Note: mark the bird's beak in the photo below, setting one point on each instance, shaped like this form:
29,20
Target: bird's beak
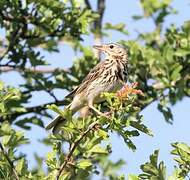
99,47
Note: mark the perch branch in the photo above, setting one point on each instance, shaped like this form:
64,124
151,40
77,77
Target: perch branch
73,147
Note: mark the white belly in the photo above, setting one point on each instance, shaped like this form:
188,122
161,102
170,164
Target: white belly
98,89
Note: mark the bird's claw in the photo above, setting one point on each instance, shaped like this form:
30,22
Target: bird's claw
107,114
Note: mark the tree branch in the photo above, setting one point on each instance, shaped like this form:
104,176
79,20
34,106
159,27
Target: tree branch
98,25
88,5
100,10
9,161
34,109
5,68
73,147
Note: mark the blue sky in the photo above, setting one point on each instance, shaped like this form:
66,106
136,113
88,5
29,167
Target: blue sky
164,134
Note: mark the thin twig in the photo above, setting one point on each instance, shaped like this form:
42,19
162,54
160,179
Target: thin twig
73,147
14,37
9,161
52,95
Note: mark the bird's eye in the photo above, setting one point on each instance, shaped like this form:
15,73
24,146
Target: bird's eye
111,46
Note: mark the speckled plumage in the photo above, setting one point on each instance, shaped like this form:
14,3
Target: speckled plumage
107,76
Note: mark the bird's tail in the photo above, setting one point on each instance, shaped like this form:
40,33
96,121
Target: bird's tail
56,124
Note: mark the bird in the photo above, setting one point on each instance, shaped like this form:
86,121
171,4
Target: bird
108,75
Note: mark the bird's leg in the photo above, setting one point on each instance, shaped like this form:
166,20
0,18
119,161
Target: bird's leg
122,82
97,111
90,105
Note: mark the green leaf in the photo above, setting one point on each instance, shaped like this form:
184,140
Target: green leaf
176,72
32,120
141,127
6,139
130,143
133,177
103,134
1,85
166,112
121,177
175,175
20,166
5,127
84,164
98,150
51,160
65,113
119,27
184,147
182,151
153,170
2,108
182,52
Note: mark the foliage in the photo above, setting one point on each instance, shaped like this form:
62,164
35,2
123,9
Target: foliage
182,150
157,171
11,140
153,170
159,63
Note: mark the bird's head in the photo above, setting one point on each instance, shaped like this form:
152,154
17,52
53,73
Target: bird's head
112,50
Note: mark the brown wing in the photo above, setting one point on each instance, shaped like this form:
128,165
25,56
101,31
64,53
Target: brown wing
95,72
72,93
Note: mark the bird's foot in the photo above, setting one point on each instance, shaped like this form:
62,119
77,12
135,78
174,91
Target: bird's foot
108,114
105,115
